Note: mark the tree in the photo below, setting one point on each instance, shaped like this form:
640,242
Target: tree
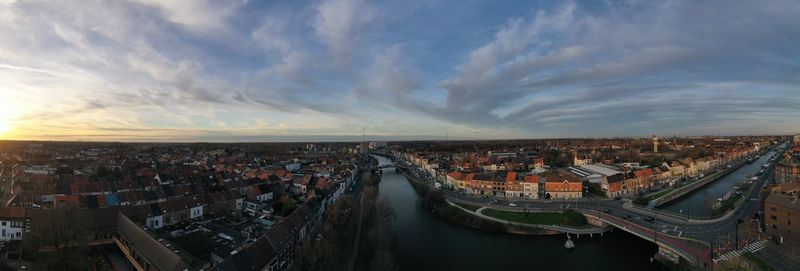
327,252
432,199
318,255
381,237
58,239
102,173
284,206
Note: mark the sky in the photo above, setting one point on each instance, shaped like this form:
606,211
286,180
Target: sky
186,70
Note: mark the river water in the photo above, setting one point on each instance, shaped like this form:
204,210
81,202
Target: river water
426,242
700,201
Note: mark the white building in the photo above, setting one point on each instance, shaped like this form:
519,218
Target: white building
12,224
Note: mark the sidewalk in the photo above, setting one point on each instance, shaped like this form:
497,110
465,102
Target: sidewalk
777,258
564,229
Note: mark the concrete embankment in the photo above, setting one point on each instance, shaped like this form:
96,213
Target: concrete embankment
689,188
476,219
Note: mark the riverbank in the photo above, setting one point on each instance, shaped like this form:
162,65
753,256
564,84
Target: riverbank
426,242
500,221
671,194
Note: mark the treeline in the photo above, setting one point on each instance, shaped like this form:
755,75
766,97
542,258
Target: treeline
375,252
434,201
327,251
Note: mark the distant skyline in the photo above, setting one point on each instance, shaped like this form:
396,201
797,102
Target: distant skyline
226,71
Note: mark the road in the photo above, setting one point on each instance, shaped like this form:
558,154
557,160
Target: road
706,232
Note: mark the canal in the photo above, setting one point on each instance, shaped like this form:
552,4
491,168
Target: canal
425,241
700,202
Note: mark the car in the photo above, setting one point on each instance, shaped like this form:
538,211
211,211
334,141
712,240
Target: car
512,204
617,198
650,219
606,210
626,217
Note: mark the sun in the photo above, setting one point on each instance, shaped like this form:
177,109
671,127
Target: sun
4,127
8,112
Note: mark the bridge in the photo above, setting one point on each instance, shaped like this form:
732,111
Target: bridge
385,166
676,235
669,246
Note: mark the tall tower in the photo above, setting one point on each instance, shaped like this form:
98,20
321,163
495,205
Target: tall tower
655,144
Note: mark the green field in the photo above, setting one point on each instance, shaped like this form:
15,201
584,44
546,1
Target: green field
571,218
728,204
646,200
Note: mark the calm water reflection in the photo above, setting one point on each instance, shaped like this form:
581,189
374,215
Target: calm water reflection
427,242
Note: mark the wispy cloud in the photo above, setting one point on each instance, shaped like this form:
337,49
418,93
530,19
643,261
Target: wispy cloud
200,68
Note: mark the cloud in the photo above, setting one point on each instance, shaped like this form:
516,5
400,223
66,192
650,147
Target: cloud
197,15
340,24
333,66
541,71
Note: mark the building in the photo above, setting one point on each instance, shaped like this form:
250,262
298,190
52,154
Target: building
778,209
502,184
615,185
521,186
12,223
580,160
563,186
142,250
655,144
787,170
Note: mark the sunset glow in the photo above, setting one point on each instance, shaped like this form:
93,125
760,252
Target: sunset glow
8,111
258,70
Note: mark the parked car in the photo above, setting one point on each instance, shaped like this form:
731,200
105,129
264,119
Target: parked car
512,204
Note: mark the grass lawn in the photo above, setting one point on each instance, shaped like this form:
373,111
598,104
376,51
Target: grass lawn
570,219
467,206
728,204
646,200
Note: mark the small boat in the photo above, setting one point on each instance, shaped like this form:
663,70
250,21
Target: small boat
569,244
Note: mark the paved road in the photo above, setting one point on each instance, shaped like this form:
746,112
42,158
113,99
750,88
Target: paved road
694,229
721,228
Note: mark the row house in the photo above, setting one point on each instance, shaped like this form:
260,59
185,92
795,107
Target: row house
144,251
522,186
300,183
130,198
12,223
787,169
222,202
510,184
274,250
159,215
563,186
614,185
262,192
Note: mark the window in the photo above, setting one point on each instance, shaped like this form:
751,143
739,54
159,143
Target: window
4,223
18,234
773,217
